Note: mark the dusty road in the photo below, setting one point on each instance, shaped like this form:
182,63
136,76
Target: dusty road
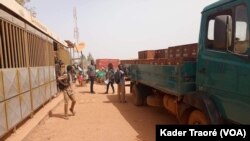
99,117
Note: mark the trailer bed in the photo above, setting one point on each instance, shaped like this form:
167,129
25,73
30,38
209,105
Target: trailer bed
172,79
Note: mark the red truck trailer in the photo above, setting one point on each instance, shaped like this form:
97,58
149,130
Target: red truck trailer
103,63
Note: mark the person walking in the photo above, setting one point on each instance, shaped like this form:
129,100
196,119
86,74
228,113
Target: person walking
119,78
91,75
65,85
110,78
58,73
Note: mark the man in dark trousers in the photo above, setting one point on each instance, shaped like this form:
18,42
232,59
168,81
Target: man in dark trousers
92,74
110,78
65,85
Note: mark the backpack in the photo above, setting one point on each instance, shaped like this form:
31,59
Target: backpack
117,77
112,75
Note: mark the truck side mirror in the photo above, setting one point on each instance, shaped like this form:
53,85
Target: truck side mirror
222,32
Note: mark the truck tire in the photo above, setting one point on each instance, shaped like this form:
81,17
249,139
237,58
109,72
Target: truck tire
138,99
155,101
197,118
185,116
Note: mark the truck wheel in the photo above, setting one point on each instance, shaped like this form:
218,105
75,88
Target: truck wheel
137,97
185,116
197,118
155,101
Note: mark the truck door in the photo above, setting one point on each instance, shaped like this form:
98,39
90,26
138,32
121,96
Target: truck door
223,69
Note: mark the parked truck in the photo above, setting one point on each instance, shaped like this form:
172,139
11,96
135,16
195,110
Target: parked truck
214,87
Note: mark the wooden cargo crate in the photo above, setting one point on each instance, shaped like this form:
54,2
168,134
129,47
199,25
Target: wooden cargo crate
130,62
179,51
190,51
183,51
136,61
162,61
146,54
175,52
161,53
124,61
127,62
141,61
171,52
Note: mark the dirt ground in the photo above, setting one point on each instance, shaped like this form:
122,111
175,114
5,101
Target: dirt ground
100,117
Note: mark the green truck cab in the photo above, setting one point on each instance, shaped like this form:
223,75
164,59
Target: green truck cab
213,89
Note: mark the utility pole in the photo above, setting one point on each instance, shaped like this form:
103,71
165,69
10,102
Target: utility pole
76,35
76,32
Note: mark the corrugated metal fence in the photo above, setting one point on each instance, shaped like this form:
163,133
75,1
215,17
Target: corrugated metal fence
23,91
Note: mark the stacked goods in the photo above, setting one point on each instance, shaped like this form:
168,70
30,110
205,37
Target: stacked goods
138,61
171,56
161,53
146,54
183,51
190,50
128,61
103,63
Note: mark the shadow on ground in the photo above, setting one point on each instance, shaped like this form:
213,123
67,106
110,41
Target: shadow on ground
142,118
58,115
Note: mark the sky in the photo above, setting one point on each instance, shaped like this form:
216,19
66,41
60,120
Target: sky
118,29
